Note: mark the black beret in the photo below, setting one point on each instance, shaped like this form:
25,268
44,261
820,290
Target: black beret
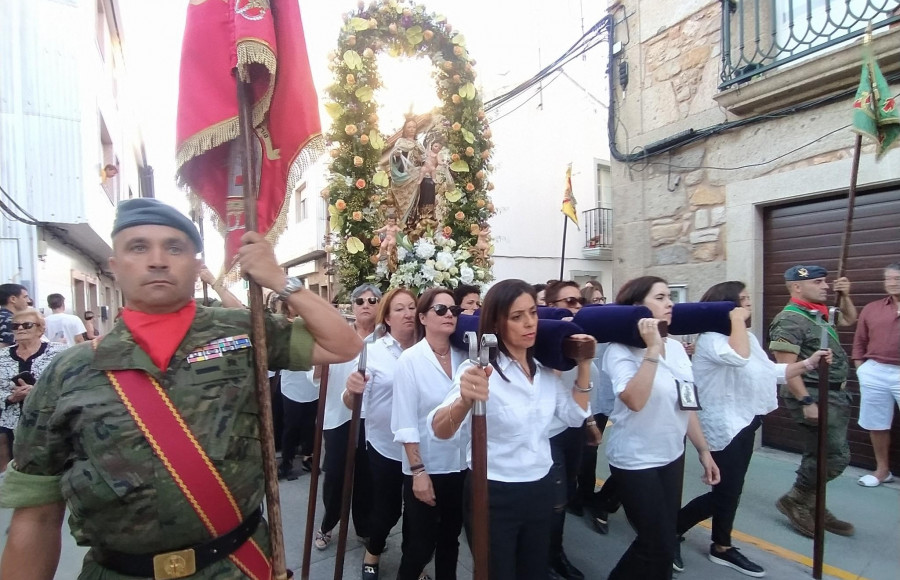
146,211
800,272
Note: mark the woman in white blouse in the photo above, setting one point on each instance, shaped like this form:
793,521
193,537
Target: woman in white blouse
645,446
434,469
737,386
398,314
524,398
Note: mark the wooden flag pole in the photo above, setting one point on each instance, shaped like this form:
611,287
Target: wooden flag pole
314,474
562,260
198,218
258,336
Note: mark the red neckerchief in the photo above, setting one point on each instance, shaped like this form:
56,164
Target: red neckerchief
812,306
160,334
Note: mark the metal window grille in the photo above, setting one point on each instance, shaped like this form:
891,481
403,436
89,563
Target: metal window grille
598,232
760,35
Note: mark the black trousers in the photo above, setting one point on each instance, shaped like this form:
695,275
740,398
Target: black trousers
565,448
520,520
387,499
722,502
651,498
587,471
10,439
434,529
335,441
298,428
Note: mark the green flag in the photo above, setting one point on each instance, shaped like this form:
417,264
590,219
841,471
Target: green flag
875,113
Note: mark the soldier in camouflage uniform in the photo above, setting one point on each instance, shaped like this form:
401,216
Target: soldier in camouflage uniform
77,446
794,335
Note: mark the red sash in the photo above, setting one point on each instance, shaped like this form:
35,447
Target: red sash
188,464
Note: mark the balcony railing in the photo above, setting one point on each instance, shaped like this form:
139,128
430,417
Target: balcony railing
760,35
598,230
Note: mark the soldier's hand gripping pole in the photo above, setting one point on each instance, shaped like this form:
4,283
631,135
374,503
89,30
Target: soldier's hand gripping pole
480,525
822,445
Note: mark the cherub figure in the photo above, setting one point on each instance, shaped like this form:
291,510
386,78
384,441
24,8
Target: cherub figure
482,248
388,234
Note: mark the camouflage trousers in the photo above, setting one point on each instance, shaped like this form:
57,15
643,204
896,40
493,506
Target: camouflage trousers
836,447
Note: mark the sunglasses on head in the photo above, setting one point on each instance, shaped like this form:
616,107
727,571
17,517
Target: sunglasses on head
25,325
361,301
570,301
442,309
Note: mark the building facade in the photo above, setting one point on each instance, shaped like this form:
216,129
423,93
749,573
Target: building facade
69,150
732,150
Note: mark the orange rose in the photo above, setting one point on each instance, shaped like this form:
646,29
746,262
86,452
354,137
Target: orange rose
351,40
357,216
428,35
456,99
335,153
373,118
480,203
456,126
358,161
448,65
340,204
374,258
368,53
350,129
470,151
360,184
376,241
457,79
480,174
474,229
470,187
485,154
351,80
460,216
392,28
490,207
490,187
454,157
448,231
487,133
458,50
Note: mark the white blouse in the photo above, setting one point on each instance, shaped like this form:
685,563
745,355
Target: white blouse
653,436
378,400
733,389
420,385
299,386
519,414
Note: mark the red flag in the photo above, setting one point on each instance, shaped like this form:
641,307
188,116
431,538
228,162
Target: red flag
263,41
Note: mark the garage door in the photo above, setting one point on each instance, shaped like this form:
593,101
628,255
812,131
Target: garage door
810,233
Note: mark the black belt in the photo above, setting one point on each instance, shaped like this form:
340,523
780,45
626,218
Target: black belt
831,386
207,553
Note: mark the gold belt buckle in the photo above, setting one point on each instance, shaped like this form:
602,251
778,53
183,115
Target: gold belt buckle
178,564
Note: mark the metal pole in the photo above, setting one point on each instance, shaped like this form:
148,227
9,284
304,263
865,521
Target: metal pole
821,452
562,260
258,336
314,474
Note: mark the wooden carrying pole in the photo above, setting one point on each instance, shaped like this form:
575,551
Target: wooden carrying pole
314,475
821,459
258,336
480,502
350,464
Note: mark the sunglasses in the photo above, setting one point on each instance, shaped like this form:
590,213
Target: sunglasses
360,301
442,309
570,301
24,325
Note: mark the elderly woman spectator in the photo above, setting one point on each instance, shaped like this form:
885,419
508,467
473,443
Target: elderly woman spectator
434,469
522,398
468,298
736,382
645,447
21,365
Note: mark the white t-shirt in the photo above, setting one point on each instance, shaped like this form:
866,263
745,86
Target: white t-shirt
299,386
519,414
62,328
420,385
733,389
378,399
653,436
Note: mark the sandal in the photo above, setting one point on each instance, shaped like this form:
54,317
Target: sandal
322,539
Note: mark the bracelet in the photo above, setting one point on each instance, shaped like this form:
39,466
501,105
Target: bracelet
809,366
417,467
589,388
418,473
590,423
651,359
450,415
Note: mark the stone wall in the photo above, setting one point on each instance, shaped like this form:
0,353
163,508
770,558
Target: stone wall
671,209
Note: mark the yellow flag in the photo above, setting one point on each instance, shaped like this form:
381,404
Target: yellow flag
568,205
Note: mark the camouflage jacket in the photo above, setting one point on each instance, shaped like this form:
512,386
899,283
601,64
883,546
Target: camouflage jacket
76,441
799,333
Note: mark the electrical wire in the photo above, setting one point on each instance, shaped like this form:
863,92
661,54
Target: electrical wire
28,219
523,103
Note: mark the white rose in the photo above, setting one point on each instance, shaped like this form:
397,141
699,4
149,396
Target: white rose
444,261
401,253
466,274
424,249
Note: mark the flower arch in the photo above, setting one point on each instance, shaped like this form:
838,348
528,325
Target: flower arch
455,248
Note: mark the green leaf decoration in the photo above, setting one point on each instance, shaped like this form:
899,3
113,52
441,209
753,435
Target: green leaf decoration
337,220
354,245
403,242
467,135
359,24
459,39
414,35
394,50
364,94
459,166
381,178
439,18
334,110
455,195
353,60
376,140
467,91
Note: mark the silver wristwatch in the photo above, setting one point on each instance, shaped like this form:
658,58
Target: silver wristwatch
291,285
